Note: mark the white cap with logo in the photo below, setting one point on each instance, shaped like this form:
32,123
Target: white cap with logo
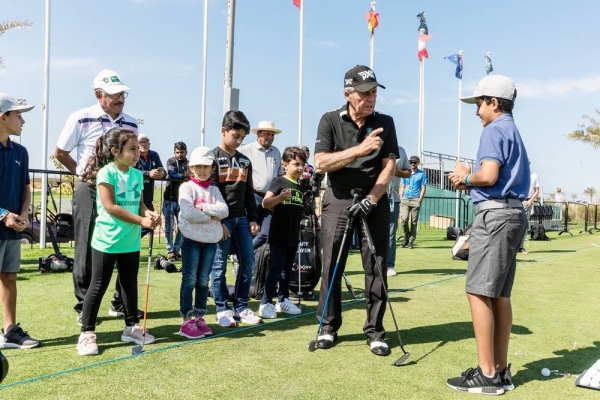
201,156
110,82
8,103
497,86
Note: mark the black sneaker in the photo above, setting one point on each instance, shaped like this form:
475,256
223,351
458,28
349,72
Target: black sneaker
325,340
17,338
506,378
473,381
379,347
410,245
404,243
118,310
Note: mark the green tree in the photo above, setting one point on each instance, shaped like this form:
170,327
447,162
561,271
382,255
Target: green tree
590,133
8,25
590,192
574,196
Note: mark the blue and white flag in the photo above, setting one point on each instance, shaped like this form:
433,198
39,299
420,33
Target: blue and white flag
488,64
456,59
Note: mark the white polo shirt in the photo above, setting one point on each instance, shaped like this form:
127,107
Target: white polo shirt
266,164
84,127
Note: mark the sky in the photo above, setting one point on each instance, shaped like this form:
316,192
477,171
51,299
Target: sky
156,46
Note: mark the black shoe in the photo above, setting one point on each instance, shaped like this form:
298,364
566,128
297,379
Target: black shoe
410,245
404,243
326,340
379,347
473,381
506,378
118,310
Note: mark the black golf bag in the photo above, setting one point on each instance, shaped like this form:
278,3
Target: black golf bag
3,367
262,263
56,262
460,250
308,260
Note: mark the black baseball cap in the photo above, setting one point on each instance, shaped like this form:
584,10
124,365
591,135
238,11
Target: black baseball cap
361,78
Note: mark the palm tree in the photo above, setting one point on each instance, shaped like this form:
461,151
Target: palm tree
574,196
589,134
7,25
590,192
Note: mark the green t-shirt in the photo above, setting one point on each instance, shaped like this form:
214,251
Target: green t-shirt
112,235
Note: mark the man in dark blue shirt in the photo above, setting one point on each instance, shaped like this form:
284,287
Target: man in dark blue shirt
176,167
15,196
151,166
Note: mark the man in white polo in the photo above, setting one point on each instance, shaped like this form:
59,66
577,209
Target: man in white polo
266,166
79,135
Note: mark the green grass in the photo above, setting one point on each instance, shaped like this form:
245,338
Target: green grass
555,302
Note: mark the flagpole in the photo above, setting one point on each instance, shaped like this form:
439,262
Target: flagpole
204,72
457,211
45,110
372,43
300,73
422,121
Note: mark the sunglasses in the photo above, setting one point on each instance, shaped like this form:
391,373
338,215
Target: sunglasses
116,95
414,162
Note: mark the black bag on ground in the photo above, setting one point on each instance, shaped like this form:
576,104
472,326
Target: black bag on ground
453,232
460,250
262,262
538,232
308,259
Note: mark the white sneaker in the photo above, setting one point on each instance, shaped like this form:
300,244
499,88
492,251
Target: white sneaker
391,272
135,334
225,319
86,346
247,316
267,311
287,307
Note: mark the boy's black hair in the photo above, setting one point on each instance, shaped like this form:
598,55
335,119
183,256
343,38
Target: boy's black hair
7,113
291,153
180,146
234,120
504,105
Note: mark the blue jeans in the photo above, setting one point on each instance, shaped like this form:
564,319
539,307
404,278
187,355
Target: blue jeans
280,271
170,210
391,262
196,265
239,229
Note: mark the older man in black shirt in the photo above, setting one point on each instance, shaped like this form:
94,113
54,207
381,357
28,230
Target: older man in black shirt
357,147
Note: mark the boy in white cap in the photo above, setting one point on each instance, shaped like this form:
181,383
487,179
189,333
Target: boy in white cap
499,183
15,196
79,134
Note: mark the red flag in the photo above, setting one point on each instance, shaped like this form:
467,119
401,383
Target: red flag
297,3
372,21
422,51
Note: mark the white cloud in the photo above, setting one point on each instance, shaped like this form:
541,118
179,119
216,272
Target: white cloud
557,88
324,43
63,63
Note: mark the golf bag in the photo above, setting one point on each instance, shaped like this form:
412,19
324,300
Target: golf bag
262,262
56,262
453,232
460,250
538,232
3,367
308,259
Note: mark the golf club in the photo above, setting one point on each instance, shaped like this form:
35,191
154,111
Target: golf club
137,349
312,345
302,224
367,235
351,289
3,367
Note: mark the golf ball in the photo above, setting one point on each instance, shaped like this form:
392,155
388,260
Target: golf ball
545,372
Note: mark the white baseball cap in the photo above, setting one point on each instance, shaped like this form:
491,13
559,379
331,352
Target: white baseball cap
497,86
201,156
110,82
8,103
143,136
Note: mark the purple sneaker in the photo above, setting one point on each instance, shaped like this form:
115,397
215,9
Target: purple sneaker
201,324
190,330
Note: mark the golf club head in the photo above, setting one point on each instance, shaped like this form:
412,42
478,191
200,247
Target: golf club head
312,346
3,367
360,296
137,349
401,360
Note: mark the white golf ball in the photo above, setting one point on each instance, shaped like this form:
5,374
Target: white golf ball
545,372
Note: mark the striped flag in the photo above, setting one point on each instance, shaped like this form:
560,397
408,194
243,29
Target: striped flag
456,59
297,3
372,20
422,50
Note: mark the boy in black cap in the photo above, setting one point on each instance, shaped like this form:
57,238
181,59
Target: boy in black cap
357,148
498,183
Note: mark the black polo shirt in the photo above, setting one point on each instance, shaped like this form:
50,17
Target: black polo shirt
338,132
14,176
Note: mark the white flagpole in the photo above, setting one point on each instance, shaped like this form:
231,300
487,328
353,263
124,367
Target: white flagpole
372,43
204,72
422,121
300,72
45,109
420,107
457,211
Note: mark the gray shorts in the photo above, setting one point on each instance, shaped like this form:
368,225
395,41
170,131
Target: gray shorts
10,256
495,238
